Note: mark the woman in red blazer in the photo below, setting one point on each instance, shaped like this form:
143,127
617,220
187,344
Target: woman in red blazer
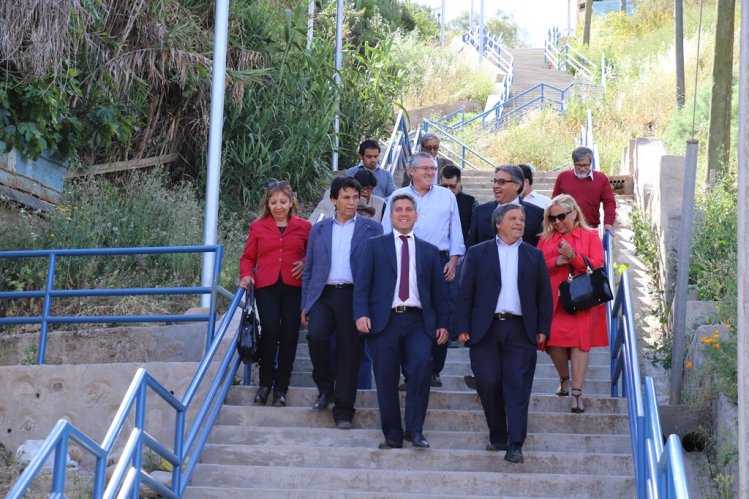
565,240
272,262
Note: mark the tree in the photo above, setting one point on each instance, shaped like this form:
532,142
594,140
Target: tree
679,49
501,24
719,136
588,18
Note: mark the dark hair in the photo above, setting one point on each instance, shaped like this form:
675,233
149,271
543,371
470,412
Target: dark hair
368,144
278,187
515,173
582,152
501,210
451,171
343,183
366,177
527,172
398,197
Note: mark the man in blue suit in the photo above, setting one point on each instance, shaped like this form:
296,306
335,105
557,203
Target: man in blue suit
400,305
508,183
327,299
504,312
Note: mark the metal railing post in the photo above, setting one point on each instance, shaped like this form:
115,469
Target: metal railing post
45,310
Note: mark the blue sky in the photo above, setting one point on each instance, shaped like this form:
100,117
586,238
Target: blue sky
534,16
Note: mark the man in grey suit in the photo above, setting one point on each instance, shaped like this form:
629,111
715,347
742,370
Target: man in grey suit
327,299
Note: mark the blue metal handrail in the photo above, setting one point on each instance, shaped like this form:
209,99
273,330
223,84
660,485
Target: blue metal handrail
48,293
658,474
399,149
567,58
128,474
459,158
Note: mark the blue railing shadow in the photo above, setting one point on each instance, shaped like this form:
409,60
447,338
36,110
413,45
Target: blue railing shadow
129,474
657,473
49,293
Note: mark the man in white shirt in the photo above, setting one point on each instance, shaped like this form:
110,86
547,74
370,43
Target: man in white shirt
529,195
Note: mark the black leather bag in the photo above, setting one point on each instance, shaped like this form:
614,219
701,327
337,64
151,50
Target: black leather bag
586,290
248,341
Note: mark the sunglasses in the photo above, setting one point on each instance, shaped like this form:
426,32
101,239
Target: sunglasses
559,218
501,181
274,184
449,186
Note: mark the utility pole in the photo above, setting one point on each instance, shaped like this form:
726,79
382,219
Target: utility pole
215,133
470,18
310,23
481,33
588,19
442,25
742,328
337,78
679,49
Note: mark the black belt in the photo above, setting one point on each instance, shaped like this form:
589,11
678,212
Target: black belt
403,308
503,316
445,254
340,285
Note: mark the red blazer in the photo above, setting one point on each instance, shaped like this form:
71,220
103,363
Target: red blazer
269,253
584,329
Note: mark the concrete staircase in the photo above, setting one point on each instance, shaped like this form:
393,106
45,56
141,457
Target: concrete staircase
297,452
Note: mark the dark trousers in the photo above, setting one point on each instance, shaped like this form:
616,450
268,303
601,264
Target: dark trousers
278,307
333,312
403,342
439,352
504,362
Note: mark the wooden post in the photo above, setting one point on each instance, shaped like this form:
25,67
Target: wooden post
743,248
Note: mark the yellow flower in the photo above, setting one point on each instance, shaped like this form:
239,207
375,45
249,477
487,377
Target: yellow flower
716,334
704,339
729,326
689,364
717,345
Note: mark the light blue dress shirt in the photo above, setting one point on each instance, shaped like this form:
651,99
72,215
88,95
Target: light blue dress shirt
385,183
439,220
340,252
509,297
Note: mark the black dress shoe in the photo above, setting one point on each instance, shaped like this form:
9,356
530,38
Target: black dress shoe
470,381
279,399
390,444
492,447
343,424
261,397
322,402
417,439
514,455
436,381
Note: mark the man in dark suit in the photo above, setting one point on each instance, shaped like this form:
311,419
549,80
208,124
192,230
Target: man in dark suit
508,183
505,305
400,305
450,179
327,299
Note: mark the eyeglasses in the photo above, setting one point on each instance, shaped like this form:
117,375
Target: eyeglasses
450,186
559,218
367,187
582,165
426,168
275,184
431,148
501,181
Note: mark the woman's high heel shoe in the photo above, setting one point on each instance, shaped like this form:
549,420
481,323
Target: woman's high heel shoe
261,398
279,399
561,392
577,407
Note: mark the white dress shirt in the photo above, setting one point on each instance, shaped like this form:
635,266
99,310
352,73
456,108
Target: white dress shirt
538,199
509,297
413,288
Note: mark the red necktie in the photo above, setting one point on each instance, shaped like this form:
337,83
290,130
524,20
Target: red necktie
403,287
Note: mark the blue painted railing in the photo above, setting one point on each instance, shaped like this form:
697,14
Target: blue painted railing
659,471
567,58
49,292
454,149
497,54
399,148
187,443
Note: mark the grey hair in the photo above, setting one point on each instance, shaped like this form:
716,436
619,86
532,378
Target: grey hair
500,211
582,152
419,155
515,173
429,136
403,195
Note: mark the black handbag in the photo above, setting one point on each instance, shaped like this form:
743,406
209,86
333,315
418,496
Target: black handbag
586,290
248,341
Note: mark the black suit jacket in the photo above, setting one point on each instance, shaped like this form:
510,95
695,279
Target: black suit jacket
481,281
466,204
483,230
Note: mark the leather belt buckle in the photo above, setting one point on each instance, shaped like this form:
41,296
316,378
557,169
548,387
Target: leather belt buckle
341,285
503,316
404,308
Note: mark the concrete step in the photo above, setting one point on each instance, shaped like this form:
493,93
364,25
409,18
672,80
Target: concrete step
452,400
443,458
457,383
437,419
384,482
233,493
544,368
462,440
